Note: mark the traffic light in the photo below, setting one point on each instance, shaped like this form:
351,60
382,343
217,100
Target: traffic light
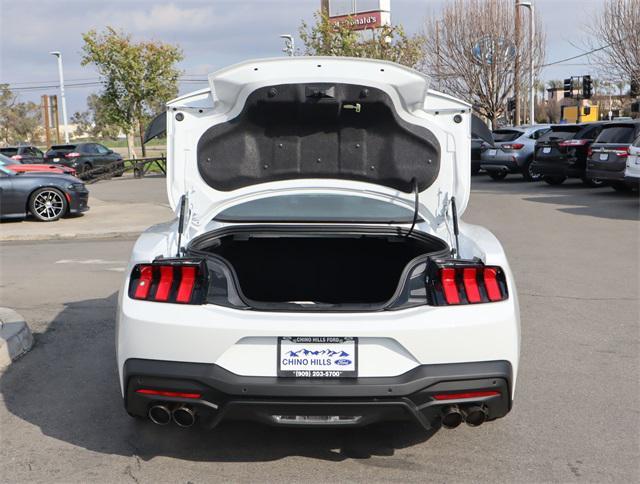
511,104
587,87
568,87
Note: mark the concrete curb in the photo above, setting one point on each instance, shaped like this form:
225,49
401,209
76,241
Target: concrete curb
73,236
15,337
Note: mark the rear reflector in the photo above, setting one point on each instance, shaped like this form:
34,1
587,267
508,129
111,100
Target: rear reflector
455,281
163,393
181,281
466,395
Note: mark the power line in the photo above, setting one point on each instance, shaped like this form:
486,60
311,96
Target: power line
584,53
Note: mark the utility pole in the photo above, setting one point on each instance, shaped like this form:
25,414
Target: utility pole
64,102
516,68
45,118
532,35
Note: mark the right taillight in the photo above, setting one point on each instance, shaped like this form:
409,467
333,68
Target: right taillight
182,281
465,282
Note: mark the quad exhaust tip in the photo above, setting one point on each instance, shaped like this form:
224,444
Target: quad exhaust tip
451,417
184,416
475,415
160,414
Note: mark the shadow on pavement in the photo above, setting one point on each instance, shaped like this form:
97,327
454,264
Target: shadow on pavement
68,387
572,196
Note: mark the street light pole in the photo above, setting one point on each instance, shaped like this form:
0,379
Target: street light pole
64,101
532,35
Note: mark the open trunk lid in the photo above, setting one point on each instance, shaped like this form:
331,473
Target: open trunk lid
361,125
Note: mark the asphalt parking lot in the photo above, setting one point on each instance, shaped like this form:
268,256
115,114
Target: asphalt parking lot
575,255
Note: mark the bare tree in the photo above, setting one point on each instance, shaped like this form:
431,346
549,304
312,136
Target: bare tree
617,29
470,51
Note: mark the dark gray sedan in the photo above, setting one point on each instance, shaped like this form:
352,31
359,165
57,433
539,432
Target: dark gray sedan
46,196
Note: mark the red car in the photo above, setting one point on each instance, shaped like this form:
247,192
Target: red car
19,167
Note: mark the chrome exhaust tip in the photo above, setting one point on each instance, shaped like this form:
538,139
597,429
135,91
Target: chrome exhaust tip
184,416
451,417
475,415
159,414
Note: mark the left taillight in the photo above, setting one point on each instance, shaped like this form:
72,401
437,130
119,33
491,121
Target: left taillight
181,281
456,282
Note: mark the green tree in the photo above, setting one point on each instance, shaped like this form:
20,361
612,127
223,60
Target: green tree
19,121
389,42
137,76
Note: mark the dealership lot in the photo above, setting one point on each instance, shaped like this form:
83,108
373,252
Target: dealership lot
574,253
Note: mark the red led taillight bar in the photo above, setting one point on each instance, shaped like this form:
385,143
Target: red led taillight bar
182,281
453,282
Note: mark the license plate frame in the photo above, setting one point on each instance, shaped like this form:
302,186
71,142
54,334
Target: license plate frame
319,348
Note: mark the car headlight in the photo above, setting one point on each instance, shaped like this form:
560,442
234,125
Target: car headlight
76,187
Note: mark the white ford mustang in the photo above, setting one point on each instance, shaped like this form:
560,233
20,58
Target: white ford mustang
316,272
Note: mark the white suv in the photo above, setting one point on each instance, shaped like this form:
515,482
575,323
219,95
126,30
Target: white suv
317,273
632,171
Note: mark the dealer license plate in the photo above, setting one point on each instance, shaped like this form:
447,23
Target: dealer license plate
492,152
604,156
317,357
546,151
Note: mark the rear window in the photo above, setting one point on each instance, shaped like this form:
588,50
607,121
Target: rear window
9,151
617,134
506,135
63,148
316,208
560,132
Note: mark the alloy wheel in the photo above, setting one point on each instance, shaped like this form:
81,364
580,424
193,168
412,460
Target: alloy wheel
48,204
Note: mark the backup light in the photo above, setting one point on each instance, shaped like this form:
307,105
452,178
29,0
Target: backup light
182,281
454,282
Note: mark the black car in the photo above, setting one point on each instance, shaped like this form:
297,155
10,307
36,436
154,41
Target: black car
608,154
82,156
477,146
23,153
46,196
562,153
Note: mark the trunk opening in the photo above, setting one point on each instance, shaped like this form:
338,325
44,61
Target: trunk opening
337,269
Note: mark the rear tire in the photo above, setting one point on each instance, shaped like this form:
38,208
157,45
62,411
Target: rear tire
593,182
529,174
498,175
554,180
48,204
119,171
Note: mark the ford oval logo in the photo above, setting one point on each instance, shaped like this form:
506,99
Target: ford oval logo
343,362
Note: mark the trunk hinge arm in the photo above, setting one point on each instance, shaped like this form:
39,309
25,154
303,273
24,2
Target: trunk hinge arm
183,207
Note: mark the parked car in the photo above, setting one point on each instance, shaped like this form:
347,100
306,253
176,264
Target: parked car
46,196
513,152
476,155
20,167
608,154
632,172
82,156
312,276
23,153
562,153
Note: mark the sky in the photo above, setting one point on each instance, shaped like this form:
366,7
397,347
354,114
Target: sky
212,34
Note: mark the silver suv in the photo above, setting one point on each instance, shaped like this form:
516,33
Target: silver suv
513,152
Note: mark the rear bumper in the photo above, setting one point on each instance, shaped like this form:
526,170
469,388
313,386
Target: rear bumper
558,168
606,175
343,402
